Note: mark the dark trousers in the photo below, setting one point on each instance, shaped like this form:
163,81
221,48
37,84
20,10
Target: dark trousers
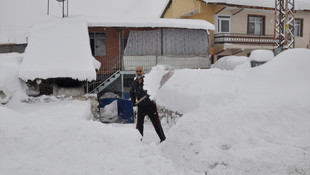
151,111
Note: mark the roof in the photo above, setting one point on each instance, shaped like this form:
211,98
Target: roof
299,4
58,48
119,8
150,22
17,17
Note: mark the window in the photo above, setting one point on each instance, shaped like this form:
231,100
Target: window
223,24
98,43
298,27
256,25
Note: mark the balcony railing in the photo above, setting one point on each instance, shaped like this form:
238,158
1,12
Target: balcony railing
237,38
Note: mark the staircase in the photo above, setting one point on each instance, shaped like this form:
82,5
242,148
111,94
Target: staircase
107,74
106,82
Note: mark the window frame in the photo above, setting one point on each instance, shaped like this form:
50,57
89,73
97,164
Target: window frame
95,40
301,26
218,24
257,16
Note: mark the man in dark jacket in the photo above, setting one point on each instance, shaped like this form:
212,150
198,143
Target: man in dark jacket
146,106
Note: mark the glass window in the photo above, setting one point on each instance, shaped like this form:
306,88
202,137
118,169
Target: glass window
98,43
256,25
298,27
223,24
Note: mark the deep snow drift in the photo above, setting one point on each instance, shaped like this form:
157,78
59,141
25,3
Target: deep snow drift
254,121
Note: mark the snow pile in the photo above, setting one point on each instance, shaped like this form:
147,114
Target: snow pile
261,55
252,122
58,47
229,62
153,79
10,84
150,22
109,113
57,138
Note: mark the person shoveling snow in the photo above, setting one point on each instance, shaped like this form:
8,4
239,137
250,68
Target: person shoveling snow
146,106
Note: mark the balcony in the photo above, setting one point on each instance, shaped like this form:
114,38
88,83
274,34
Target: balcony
243,39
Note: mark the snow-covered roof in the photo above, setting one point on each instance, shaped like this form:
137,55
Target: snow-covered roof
299,4
58,47
150,22
17,17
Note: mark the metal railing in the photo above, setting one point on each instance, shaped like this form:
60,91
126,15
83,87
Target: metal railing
110,65
239,38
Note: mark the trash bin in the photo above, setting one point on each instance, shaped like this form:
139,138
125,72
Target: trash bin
124,111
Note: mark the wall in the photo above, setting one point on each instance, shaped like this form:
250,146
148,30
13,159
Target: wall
180,7
112,46
239,22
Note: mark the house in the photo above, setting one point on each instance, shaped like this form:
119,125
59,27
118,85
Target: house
122,44
241,26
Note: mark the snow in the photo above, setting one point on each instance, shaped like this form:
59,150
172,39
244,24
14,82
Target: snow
299,4
230,62
9,81
109,113
119,8
17,17
250,122
254,121
261,55
59,47
149,22
153,80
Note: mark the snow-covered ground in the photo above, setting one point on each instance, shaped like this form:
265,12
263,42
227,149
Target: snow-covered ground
255,121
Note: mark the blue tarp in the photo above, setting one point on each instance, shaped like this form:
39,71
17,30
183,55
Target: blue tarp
124,108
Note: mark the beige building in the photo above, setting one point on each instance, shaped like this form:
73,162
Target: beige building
241,28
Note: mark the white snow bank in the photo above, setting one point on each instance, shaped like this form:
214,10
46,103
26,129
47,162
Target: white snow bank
56,138
261,55
299,4
10,84
253,122
229,62
58,47
150,22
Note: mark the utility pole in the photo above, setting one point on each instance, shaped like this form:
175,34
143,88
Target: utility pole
284,25
48,7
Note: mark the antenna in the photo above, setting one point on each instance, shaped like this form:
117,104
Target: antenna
63,7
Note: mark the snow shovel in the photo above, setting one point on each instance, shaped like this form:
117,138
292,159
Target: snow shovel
164,79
